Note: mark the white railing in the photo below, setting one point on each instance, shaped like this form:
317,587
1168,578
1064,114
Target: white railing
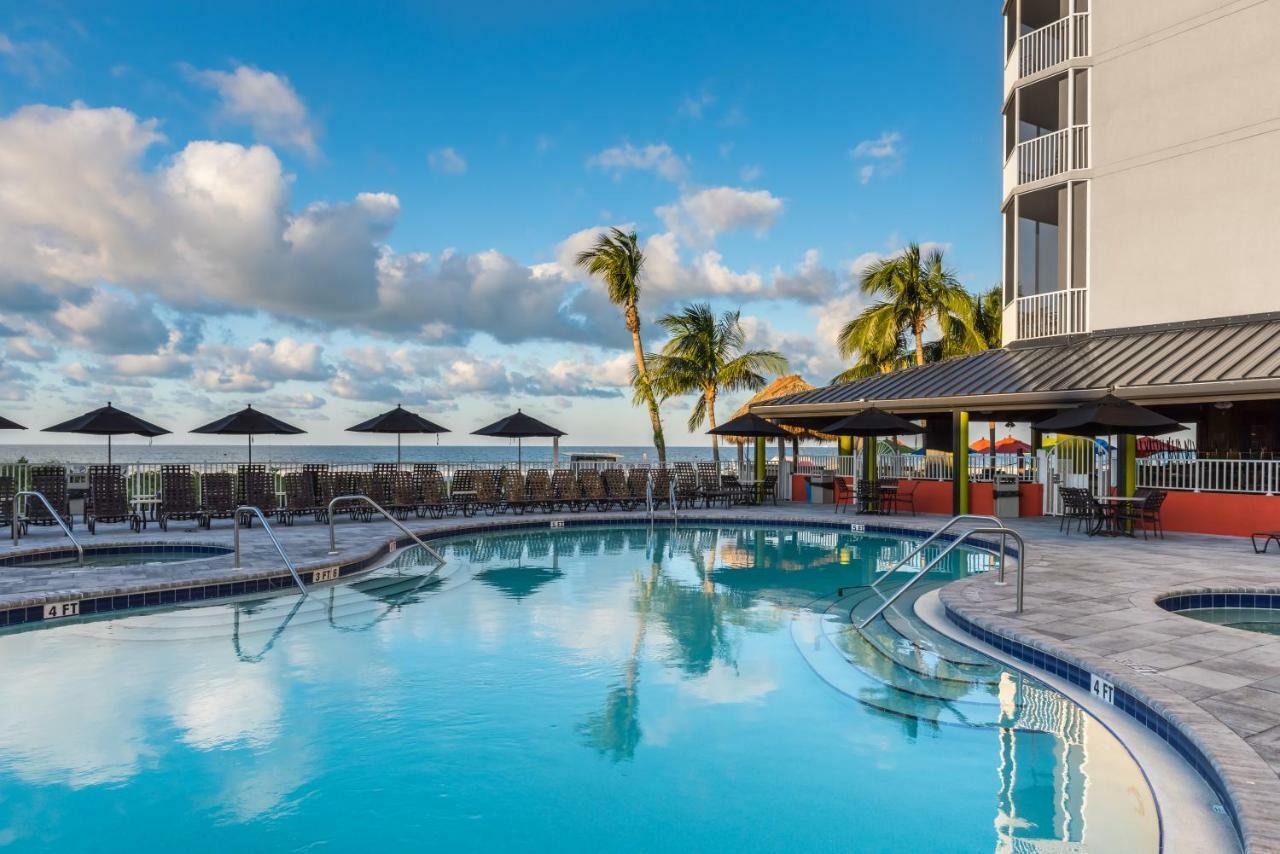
1053,153
1045,315
1064,39
1259,477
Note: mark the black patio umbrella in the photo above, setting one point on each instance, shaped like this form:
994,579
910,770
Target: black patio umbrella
398,420
517,582
249,422
872,422
519,426
6,424
1109,416
750,425
108,421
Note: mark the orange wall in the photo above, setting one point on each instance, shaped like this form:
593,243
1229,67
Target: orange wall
1030,499
1229,513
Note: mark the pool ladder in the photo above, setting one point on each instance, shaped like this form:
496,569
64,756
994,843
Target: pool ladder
16,521
235,538
333,535
997,529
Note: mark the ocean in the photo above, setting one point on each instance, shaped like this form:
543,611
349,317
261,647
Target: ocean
263,452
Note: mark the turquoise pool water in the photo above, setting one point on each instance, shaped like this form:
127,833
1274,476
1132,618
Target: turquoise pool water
1262,620
571,690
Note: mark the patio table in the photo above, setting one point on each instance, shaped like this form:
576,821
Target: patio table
1107,521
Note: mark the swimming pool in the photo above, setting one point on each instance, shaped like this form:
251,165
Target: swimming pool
1262,620
132,554
611,688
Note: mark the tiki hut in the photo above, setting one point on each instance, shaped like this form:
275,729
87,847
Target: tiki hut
781,387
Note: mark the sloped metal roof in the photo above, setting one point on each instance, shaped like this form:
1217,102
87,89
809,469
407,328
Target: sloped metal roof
1178,361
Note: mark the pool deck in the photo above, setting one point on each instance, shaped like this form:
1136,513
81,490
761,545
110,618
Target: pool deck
1089,601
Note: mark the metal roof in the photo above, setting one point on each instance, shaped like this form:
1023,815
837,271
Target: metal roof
1204,360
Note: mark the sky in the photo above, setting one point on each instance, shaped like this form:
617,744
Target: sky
326,209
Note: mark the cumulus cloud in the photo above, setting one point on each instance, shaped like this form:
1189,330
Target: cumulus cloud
447,161
658,158
260,366
879,156
112,322
810,282
267,103
211,229
698,217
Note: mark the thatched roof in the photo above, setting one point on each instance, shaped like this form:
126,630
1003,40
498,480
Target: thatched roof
781,387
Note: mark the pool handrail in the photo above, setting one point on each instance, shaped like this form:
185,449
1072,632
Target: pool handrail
938,533
235,539
1000,531
333,534
16,522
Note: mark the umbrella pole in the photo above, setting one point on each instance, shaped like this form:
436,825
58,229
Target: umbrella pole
108,449
250,449
519,454
397,450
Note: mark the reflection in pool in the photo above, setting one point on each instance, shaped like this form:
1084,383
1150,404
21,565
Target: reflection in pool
570,690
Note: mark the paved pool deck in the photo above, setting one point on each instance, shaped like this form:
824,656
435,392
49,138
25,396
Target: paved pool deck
1089,601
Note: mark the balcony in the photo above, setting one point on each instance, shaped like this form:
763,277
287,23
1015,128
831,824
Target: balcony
1047,315
1065,39
1052,154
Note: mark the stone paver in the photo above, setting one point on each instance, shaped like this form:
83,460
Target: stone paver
1089,601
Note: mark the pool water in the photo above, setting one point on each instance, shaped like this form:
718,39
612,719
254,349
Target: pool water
1263,620
117,555
575,690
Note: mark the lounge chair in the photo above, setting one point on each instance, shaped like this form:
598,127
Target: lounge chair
178,501
405,497
463,493
108,500
434,496
381,485
711,487
687,492
661,486
51,482
591,485
321,489
488,498
617,490
8,491
254,488
638,485
564,486
217,496
298,497
538,490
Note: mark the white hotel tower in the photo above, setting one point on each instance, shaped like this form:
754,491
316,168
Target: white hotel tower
1142,171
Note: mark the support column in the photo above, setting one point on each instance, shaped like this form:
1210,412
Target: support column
869,458
1127,463
960,461
844,446
761,451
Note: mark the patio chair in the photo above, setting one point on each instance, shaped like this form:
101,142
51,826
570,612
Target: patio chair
900,494
617,490
591,485
51,482
109,500
868,497
1077,507
178,500
843,492
764,490
1146,515
564,486
538,490
217,496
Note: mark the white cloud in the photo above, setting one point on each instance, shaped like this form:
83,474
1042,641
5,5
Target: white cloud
698,217
447,161
670,280
658,158
33,60
883,151
267,103
211,229
693,106
112,322
810,282
260,366
26,349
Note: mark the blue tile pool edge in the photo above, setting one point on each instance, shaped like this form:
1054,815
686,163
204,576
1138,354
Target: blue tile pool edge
1125,698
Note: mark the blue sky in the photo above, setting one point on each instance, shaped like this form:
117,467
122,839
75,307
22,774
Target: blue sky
325,209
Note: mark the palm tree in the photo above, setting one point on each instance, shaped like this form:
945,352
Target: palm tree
912,291
988,314
617,258
705,355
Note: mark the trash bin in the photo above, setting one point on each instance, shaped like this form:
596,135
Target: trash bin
1004,489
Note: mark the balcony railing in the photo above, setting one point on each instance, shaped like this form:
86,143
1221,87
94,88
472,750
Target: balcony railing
1055,313
1064,39
1053,154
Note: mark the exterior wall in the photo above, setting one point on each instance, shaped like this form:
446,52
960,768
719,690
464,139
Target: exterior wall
1228,513
1186,160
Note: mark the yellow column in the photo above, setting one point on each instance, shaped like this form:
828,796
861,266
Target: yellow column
1127,476
960,462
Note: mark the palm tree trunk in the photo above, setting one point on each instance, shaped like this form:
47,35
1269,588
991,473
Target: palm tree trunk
642,370
918,329
710,395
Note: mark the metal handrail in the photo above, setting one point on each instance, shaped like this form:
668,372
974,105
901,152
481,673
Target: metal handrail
333,534
938,533
16,522
235,538
1002,532
648,493
671,496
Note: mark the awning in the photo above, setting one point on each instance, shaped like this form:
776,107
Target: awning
1172,363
